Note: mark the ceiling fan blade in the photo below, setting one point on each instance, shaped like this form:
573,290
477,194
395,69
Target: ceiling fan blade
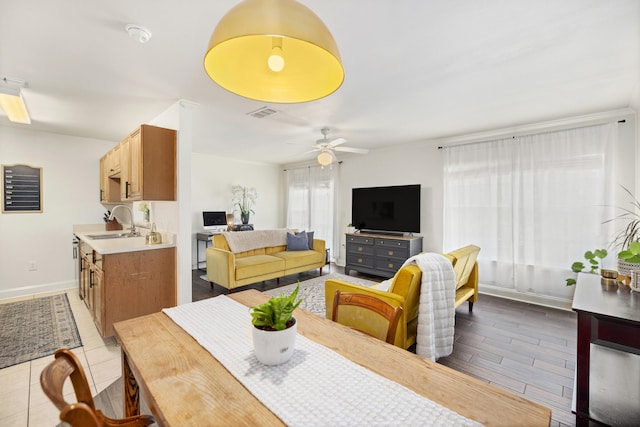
336,142
352,150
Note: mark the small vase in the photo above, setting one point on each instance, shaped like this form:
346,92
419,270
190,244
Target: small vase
274,347
245,218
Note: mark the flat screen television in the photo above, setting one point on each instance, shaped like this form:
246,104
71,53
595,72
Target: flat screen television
214,219
394,209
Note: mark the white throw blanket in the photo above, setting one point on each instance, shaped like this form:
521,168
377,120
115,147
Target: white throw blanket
436,311
242,241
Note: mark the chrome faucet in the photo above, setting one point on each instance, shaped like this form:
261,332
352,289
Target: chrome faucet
133,232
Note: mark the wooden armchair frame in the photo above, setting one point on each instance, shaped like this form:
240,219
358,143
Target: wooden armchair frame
386,310
83,413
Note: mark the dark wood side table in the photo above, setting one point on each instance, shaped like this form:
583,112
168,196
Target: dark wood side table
608,317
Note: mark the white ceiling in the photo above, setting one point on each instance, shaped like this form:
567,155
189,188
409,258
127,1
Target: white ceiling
415,69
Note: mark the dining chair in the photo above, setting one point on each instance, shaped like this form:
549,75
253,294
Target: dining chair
363,320
83,412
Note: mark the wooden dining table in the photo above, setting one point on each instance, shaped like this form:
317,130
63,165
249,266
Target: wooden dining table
183,384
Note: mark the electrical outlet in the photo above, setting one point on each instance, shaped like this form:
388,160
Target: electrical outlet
33,266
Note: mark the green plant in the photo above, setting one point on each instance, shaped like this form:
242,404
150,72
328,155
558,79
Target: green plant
631,233
275,314
592,260
632,254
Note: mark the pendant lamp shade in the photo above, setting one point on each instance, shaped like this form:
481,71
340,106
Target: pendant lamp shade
274,51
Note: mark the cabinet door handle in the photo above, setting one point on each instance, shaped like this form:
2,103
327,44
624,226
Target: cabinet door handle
126,190
90,278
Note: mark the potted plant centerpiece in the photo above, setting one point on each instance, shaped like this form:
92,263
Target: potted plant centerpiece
628,240
244,198
274,328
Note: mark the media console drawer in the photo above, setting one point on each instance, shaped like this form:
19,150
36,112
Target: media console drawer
379,255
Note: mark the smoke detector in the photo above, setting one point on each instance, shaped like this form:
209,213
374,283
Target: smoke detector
138,32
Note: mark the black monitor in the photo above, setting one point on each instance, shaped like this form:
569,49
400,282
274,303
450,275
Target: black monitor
214,219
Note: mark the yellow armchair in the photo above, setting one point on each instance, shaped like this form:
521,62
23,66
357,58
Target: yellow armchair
405,291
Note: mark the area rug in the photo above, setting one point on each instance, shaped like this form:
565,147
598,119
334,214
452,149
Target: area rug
312,291
36,328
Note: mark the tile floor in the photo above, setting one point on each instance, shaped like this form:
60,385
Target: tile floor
23,403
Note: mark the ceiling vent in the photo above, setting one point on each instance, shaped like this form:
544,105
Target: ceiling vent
263,112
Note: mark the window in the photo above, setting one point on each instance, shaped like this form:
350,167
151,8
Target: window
534,204
311,202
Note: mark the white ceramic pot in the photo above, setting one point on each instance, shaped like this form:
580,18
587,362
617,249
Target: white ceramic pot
274,347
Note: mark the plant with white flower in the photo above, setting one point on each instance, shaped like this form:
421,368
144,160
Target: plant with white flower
244,198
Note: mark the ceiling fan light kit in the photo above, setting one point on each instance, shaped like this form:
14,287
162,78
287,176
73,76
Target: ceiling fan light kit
326,157
327,147
274,51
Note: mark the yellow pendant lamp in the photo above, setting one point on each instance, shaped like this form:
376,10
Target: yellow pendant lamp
274,51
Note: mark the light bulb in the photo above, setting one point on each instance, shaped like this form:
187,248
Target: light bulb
325,158
276,61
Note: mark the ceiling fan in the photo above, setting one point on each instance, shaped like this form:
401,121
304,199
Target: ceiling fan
327,147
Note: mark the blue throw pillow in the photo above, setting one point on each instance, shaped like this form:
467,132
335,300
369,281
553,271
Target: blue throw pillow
310,238
297,242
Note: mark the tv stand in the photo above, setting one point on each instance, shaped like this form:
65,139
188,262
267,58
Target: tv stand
379,254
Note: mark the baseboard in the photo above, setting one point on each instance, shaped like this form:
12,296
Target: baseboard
37,289
528,297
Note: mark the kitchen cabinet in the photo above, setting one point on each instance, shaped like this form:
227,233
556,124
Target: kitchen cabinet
141,167
114,162
121,286
148,164
110,176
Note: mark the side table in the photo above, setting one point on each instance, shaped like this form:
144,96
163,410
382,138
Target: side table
607,383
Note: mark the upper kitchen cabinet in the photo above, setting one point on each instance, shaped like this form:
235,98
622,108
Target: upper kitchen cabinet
110,176
141,167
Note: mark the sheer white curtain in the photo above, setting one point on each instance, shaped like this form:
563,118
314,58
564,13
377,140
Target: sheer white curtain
311,202
534,204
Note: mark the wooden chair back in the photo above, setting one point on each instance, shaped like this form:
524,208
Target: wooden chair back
365,324
83,412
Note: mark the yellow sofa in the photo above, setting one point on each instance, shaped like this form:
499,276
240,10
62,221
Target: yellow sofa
232,270
405,291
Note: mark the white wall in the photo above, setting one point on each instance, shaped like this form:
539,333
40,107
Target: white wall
418,163
174,216
211,180
70,195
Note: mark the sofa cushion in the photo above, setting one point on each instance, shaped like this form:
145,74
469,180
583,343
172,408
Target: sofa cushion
297,242
295,259
257,265
310,238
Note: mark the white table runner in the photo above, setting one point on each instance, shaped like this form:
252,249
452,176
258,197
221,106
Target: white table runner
317,386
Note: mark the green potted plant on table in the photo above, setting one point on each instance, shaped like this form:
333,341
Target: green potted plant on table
592,259
628,240
274,328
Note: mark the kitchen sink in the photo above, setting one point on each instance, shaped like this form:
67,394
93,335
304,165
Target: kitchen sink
111,236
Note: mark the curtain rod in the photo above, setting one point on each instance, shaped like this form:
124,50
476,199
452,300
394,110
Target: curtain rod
339,162
440,147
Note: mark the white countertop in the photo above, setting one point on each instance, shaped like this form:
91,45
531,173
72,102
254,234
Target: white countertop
124,244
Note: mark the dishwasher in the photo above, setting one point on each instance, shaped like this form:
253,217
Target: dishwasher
77,263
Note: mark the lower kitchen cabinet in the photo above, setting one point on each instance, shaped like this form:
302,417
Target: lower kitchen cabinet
125,285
